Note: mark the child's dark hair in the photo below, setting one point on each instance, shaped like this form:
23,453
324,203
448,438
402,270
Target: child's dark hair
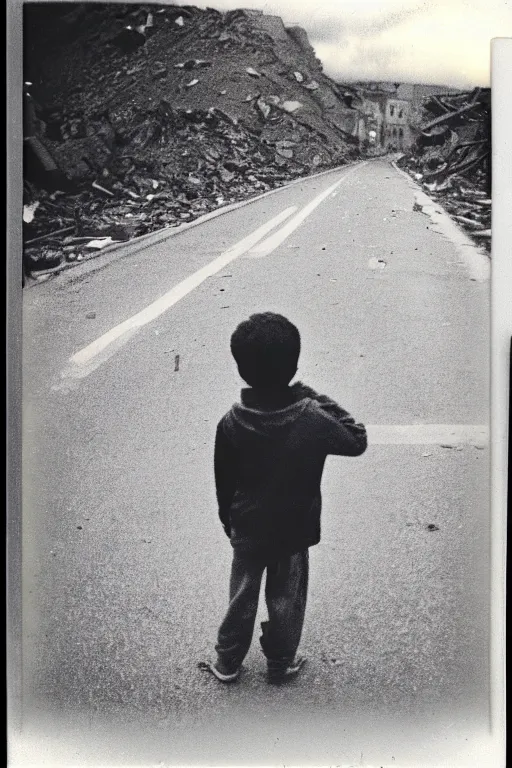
266,349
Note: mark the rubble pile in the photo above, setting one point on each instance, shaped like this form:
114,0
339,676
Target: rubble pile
451,158
143,117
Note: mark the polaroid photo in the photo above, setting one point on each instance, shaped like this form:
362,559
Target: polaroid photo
250,282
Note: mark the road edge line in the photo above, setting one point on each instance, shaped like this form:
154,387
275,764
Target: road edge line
477,261
141,242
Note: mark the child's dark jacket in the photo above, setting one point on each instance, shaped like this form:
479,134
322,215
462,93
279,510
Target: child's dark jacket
269,458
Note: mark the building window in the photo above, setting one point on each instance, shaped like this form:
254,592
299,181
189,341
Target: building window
400,113
401,133
391,110
394,133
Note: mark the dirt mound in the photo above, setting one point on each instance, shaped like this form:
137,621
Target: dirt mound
140,117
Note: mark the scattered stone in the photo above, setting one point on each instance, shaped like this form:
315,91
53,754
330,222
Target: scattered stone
432,527
291,106
29,212
375,263
91,316
264,108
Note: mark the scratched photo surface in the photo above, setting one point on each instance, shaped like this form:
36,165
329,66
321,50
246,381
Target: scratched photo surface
186,166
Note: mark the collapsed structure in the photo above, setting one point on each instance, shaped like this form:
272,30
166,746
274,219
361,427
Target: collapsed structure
143,117
451,157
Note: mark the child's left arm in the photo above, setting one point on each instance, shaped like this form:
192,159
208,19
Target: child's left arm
225,476
347,437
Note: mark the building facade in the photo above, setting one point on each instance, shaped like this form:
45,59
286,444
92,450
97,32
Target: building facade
397,133
387,113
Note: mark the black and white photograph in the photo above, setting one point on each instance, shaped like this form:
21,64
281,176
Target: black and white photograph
253,281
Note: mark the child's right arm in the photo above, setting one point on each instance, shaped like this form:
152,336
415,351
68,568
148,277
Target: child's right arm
345,437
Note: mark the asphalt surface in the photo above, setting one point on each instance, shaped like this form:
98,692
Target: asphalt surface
125,564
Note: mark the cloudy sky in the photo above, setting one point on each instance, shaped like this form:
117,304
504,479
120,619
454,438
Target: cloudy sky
446,42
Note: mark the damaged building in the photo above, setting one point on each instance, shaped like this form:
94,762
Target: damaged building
388,112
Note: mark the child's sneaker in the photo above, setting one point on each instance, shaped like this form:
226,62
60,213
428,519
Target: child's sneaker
278,674
218,671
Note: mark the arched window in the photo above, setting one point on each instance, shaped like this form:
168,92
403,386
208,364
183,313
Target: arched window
400,113
394,133
401,133
391,110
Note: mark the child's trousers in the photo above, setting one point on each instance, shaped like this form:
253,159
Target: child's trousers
285,594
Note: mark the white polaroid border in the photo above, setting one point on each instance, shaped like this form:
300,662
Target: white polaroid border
501,336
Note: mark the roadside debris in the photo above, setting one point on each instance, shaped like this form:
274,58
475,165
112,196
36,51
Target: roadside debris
99,244
29,212
141,119
102,189
451,158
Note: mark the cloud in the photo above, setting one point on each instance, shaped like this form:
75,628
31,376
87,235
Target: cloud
440,41
336,27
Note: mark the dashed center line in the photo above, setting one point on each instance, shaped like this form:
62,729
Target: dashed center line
275,240
86,360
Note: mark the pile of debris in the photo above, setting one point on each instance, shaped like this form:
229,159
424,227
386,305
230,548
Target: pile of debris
143,117
452,158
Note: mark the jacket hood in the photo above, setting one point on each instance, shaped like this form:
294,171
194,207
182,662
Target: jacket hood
266,415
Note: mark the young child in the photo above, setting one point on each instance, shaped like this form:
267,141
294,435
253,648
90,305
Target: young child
270,452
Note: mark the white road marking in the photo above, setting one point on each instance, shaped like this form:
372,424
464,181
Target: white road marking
477,262
275,240
428,434
85,361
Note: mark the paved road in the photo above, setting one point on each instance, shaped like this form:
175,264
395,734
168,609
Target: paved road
125,564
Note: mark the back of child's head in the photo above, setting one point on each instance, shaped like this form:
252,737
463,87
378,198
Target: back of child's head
266,349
